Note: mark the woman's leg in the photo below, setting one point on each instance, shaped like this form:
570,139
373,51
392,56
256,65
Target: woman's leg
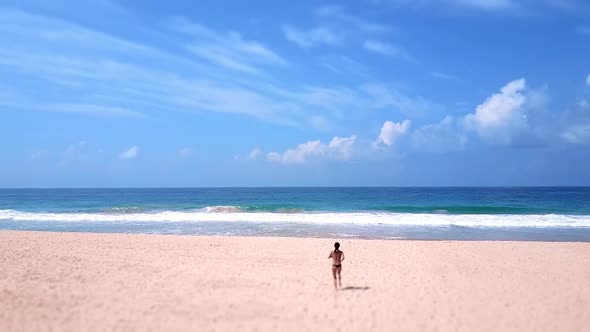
334,269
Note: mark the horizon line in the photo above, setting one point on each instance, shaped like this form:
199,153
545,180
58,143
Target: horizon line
299,187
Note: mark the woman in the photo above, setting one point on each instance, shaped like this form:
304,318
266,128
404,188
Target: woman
337,257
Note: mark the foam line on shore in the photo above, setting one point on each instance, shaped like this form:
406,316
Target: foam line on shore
360,218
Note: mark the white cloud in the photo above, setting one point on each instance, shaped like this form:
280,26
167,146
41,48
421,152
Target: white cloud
342,147
312,37
255,153
304,151
500,111
588,80
390,132
185,152
131,153
516,116
338,148
389,49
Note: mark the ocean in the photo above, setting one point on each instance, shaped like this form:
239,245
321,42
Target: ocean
490,213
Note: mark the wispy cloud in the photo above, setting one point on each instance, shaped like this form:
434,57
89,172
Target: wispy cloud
312,37
111,76
588,80
489,5
575,124
343,65
92,109
38,154
383,96
573,7
221,57
127,76
74,153
577,133
519,8
367,96
336,27
444,76
389,49
74,149
486,4
338,13
227,49
447,135
130,153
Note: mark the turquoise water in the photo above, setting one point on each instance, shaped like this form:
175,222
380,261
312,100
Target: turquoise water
555,213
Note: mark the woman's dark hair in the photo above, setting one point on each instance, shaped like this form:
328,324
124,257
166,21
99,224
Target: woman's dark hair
336,246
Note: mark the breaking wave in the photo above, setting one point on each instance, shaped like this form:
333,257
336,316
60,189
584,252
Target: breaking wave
249,208
240,214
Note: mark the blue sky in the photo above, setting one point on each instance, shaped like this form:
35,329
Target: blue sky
114,93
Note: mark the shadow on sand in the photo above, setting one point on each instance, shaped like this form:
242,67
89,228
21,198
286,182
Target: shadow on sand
355,288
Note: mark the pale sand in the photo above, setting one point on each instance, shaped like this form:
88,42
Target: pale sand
89,282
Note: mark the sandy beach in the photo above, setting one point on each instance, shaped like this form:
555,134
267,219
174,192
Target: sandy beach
95,282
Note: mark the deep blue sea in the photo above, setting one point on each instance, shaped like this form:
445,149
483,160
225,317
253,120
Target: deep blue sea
492,213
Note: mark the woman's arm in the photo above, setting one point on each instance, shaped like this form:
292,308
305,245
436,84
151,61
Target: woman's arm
342,256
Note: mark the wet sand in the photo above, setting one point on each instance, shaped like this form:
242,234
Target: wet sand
96,282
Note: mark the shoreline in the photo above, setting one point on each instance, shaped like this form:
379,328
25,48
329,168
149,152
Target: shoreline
96,281
292,230
287,237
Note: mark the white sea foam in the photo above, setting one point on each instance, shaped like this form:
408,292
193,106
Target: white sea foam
358,218
222,209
